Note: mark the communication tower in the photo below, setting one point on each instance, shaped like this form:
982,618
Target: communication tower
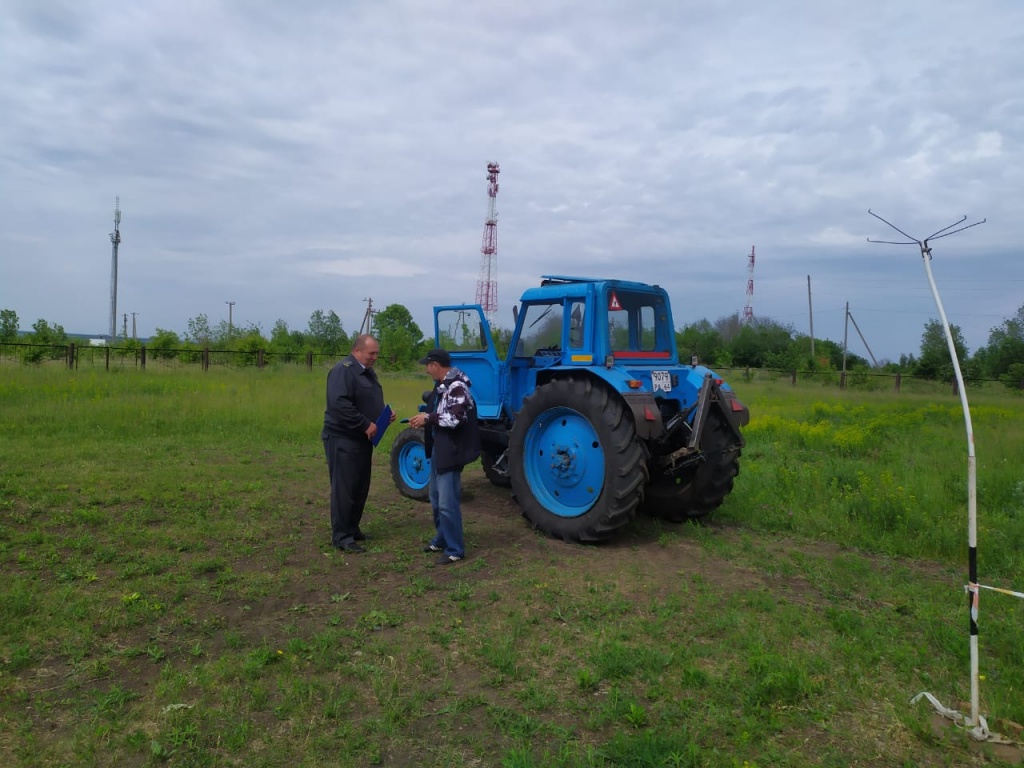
115,240
487,285
748,310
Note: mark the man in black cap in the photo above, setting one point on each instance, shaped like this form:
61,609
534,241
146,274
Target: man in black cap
355,400
451,440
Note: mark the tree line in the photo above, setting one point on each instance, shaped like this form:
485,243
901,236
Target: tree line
725,343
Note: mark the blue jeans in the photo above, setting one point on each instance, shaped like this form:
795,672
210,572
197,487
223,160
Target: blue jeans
445,500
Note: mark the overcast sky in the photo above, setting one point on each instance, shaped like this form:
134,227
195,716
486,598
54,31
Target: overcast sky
310,154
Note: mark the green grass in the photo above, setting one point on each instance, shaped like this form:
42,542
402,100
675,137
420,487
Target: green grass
168,595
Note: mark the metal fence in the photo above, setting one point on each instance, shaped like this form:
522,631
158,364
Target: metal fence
87,356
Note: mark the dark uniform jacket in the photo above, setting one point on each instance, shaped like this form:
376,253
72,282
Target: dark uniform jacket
452,437
354,400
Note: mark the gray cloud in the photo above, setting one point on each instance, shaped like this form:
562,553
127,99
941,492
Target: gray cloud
307,156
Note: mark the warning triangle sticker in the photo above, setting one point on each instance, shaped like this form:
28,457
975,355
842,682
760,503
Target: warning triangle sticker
613,303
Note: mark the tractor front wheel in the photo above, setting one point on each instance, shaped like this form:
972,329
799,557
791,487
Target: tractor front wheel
410,467
498,478
577,467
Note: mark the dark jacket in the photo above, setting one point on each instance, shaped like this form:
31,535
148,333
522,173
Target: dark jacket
354,400
452,437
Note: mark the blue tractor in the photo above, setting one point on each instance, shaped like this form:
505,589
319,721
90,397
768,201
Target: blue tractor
590,417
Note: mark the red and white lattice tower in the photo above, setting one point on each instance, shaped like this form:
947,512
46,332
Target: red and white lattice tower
487,285
748,310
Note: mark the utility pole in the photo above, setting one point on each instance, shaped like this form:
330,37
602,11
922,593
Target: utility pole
367,325
810,311
125,331
134,332
846,328
231,306
857,328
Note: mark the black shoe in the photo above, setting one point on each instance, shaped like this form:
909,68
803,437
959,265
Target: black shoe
448,559
360,536
351,547
433,548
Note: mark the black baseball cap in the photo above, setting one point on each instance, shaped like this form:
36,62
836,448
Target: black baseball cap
439,356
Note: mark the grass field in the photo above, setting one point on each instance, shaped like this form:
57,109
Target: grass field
169,595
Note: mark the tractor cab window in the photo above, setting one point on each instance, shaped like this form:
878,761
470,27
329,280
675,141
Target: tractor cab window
541,332
632,322
461,330
576,324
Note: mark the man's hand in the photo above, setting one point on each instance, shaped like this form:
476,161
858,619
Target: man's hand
371,431
418,420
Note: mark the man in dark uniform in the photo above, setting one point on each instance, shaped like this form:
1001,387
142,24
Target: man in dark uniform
355,401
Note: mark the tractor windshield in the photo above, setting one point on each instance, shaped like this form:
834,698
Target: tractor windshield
541,330
636,325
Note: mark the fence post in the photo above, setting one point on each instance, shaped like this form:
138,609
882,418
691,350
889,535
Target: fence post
956,391
206,358
309,361
897,382
259,359
842,380
143,357
70,354
794,377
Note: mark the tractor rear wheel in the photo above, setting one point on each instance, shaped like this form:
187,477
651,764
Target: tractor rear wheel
410,467
577,467
703,490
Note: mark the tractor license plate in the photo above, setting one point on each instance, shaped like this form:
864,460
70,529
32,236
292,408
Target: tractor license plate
661,380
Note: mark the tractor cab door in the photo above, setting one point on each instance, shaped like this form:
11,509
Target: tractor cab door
463,331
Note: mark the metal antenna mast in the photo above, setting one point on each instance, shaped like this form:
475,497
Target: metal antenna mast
976,723
115,240
487,285
748,310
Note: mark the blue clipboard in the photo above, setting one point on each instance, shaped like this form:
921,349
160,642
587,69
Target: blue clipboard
382,425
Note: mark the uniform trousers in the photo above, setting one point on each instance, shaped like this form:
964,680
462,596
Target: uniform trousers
349,461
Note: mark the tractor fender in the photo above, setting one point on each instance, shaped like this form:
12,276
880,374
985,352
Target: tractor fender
736,413
646,414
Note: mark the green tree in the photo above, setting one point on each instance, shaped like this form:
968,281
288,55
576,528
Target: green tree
8,325
45,333
249,340
728,326
1005,346
700,338
400,338
935,362
502,338
199,331
163,344
325,333
763,343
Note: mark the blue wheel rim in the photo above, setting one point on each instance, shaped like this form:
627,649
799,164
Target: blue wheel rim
414,466
564,462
